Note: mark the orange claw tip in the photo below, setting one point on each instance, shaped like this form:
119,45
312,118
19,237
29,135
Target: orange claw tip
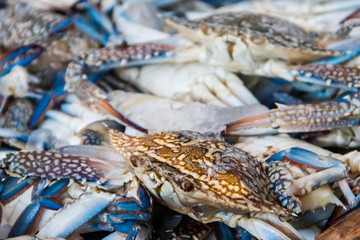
106,106
251,126
258,120
248,121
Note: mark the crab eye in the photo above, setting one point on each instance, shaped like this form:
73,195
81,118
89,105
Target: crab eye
204,28
259,40
133,160
186,185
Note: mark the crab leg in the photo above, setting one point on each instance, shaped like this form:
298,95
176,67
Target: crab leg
45,103
100,27
28,217
337,76
10,68
12,188
129,229
20,56
100,60
268,228
301,118
348,194
334,170
61,224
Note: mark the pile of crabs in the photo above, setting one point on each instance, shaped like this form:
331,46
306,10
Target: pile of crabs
179,119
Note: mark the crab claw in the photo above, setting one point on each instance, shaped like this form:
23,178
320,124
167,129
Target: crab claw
300,118
268,226
96,99
29,216
98,26
86,206
48,99
44,104
12,188
20,56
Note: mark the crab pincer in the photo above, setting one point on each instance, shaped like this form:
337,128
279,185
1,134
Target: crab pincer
344,112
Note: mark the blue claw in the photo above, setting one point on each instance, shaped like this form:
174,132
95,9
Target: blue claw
242,234
128,228
61,26
13,187
136,207
44,104
98,26
100,19
222,231
286,98
306,157
20,56
83,25
121,216
352,48
27,219
55,188
48,99
38,189
86,206
49,204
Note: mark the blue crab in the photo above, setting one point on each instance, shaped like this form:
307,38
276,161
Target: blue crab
163,162
256,44
174,175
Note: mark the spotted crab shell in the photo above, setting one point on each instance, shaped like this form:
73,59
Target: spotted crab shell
268,36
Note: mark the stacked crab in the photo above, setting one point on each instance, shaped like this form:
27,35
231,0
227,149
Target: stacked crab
112,112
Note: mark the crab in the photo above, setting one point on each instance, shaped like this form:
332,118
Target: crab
264,45
240,193
254,43
130,101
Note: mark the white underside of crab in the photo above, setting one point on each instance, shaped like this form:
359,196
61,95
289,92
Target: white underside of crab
15,83
191,82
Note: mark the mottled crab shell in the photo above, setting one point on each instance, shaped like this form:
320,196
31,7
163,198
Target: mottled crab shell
266,36
208,176
23,26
